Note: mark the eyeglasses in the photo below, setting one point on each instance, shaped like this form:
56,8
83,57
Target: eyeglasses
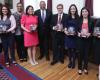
4,9
59,8
19,6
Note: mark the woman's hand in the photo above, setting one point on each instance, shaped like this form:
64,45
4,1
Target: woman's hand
66,32
98,36
79,34
88,34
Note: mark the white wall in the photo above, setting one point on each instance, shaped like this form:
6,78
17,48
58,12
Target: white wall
14,5
34,3
67,3
2,1
96,6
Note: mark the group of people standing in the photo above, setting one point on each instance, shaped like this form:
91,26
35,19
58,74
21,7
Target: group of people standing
32,28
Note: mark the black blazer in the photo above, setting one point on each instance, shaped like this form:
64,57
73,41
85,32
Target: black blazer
55,19
54,23
98,23
90,25
44,27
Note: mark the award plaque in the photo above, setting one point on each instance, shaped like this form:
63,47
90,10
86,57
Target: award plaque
71,30
84,32
32,28
96,31
59,27
3,28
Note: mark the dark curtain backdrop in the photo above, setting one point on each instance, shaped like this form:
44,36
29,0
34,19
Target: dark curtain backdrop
49,4
89,5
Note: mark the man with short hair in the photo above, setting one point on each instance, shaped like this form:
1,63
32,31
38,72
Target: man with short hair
44,19
58,23
19,38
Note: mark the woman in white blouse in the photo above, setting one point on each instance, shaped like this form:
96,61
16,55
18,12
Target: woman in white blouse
7,27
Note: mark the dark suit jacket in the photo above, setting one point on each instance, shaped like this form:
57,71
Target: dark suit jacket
54,22
90,25
44,27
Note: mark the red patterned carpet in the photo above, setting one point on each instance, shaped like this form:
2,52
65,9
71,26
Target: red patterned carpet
15,72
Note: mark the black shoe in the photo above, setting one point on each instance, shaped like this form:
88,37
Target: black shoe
40,57
25,59
21,60
14,62
1,67
53,62
7,64
73,65
48,58
62,61
70,65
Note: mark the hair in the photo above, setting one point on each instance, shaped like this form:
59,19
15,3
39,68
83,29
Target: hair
9,12
28,8
19,3
76,13
0,7
42,1
84,9
60,5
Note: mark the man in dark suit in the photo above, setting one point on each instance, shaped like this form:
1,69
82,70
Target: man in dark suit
44,18
58,35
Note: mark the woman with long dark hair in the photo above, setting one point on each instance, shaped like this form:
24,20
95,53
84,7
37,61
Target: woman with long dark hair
7,26
0,40
29,24
70,34
85,30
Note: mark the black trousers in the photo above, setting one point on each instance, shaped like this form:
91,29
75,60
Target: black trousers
72,55
83,54
21,50
8,43
44,45
0,47
58,46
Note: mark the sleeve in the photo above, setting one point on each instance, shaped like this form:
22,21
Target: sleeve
37,20
23,19
13,21
98,23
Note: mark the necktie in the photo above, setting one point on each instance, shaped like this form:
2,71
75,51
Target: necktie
43,16
59,19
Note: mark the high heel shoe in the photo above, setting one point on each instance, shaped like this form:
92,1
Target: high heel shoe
36,62
86,71
80,72
7,64
14,62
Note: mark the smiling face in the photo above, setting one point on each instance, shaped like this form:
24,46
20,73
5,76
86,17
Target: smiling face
73,10
85,13
19,7
42,5
30,11
4,11
60,9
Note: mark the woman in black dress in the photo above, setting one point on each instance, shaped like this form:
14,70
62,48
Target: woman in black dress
85,30
97,46
70,34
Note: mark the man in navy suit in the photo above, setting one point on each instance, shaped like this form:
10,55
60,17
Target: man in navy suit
58,22
44,18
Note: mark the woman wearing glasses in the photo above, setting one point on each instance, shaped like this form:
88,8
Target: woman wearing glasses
70,34
7,29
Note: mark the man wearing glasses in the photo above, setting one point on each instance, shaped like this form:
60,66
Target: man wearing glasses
58,23
19,38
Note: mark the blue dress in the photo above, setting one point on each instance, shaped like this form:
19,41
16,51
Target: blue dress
71,41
